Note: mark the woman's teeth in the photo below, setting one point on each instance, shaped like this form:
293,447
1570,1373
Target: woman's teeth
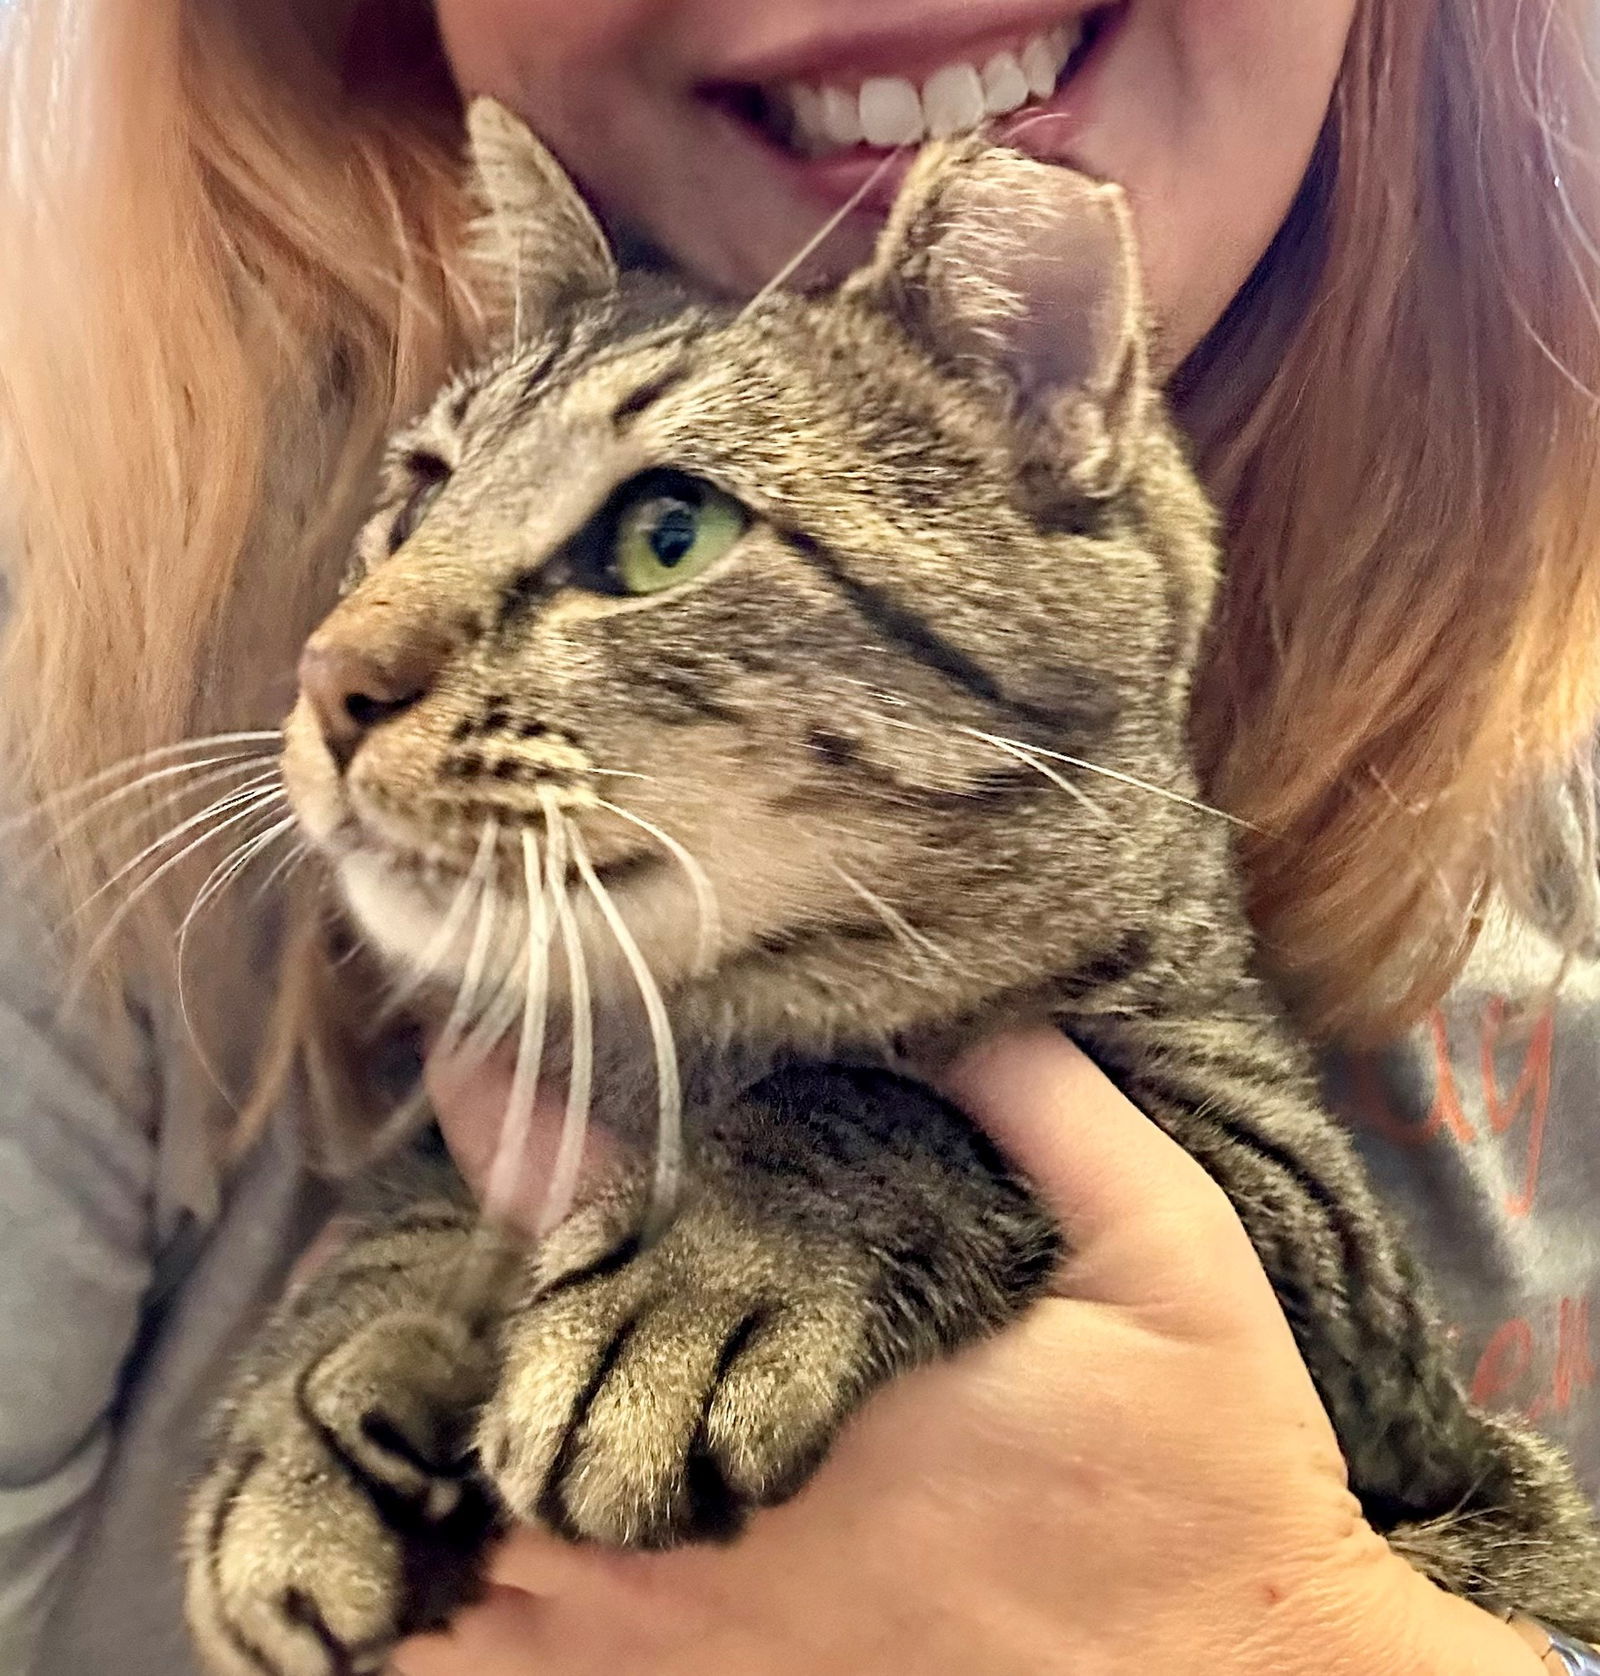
891,111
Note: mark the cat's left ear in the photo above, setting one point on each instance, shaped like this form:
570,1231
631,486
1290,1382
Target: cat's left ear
540,245
993,259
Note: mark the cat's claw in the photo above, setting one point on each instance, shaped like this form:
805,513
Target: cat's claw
340,1515
661,1397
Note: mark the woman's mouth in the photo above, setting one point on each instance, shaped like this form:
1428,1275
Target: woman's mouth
850,120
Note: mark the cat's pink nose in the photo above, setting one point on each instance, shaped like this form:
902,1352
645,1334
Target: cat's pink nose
351,691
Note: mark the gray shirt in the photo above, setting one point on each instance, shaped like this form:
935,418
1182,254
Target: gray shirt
131,1273
1482,1132
131,1277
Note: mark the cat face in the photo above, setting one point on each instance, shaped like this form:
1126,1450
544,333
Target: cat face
745,629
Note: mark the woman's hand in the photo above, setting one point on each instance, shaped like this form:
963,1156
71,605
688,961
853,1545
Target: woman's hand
1137,1477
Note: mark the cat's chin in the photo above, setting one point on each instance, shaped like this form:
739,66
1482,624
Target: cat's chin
430,928
398,909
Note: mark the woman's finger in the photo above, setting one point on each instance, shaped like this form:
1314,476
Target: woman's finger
500,1636
472,1099
1140,1213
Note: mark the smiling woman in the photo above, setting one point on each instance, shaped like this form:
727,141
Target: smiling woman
727,132
1367,230
831,116
823,113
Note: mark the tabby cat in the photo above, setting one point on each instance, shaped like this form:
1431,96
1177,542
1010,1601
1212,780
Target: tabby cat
880,606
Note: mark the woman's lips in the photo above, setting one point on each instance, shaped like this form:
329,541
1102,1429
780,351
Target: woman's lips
789,124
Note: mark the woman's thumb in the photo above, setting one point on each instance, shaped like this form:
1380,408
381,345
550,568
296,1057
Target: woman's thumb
1139,1213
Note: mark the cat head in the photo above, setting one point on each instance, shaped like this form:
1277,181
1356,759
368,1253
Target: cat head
773,640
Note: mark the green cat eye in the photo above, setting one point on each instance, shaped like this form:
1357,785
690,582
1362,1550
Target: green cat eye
667,528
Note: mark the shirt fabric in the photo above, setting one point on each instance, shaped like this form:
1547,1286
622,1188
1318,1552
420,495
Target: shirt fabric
1481,1132
131,1278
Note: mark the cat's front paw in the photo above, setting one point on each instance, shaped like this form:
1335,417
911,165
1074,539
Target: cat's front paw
341,1514
658,1395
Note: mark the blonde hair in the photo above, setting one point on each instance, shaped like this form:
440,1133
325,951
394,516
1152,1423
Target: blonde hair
1404,678
239,272
227,236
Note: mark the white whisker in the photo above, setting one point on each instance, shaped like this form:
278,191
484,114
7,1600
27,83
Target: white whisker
511,1152
906,727
898,924
131,831
113,925
669,1093
262,788
207,772
708,918
472,971
882,695
433,956
498,1015
224,873
108,776
298,854
220,877
562,1192
821,236
1026,755
1121,778
401,1123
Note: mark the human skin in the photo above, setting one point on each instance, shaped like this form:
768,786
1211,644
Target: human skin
1205,111
1136,1477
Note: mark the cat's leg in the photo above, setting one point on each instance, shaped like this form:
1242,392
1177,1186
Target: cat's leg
836,1228
340,1511
1476,1502
1525,1538
841,1227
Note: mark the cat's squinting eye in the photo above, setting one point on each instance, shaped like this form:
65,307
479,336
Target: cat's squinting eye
431,476
662,529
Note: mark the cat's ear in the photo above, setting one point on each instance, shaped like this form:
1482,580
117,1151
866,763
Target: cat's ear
1031,269
541,248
